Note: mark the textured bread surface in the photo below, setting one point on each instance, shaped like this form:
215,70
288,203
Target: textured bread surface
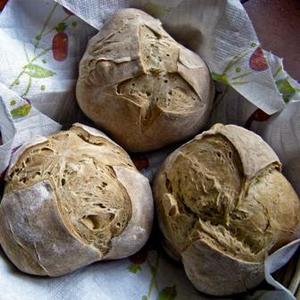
88,184
223,206
139,84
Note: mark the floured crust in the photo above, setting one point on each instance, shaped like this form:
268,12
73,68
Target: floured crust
225,189
137,231
34,237
134,75
96,206
220,274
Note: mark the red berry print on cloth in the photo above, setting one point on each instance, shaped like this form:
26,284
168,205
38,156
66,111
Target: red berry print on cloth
141,162
259,116
60,43
258,61
2,4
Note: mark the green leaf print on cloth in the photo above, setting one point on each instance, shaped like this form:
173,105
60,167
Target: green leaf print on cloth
12,102
147,260
168,293
32,71
36,71
235,74
286,89
219,77
21,111
134,268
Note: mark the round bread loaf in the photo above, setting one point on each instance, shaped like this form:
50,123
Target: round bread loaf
72,199
223,206
140,85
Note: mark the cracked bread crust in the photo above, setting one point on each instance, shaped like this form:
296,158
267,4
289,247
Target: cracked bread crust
71,199
143,87
223,206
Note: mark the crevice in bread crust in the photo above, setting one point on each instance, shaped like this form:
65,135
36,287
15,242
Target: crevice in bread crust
45,162
215,236
134,40
205,227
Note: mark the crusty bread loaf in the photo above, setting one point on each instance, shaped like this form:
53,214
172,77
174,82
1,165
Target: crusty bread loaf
71,199
223,206
140,85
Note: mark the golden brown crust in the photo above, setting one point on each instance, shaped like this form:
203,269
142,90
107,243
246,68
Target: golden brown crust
140,85
83,170
225,189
